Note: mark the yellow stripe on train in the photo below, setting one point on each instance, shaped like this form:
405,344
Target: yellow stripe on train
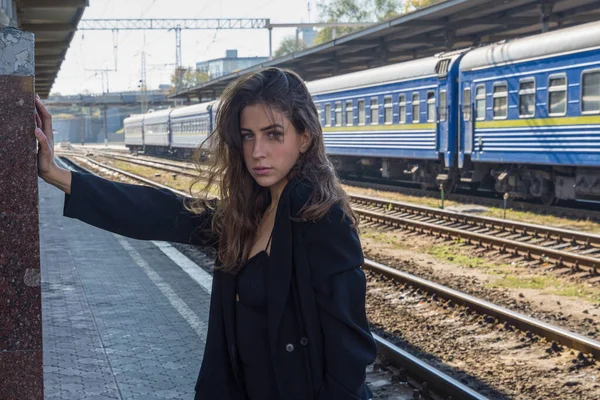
389,127
535,122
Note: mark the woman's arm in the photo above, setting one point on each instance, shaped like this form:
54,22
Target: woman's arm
335,258
139,212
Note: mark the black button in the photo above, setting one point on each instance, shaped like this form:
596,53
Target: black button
303,341
289,347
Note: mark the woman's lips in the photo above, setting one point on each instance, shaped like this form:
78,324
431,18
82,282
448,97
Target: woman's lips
261,170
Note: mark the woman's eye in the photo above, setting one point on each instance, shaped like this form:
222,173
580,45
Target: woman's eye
275,135
246,136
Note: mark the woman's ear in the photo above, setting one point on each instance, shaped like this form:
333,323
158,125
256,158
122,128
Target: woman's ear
304,141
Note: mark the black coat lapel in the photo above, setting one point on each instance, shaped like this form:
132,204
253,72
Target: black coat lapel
228,303
280,266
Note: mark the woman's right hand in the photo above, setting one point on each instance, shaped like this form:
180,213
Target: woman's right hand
45,137
47,168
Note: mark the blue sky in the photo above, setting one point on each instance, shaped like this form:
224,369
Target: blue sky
94,49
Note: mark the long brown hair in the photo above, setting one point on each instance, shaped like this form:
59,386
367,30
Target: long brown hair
242,201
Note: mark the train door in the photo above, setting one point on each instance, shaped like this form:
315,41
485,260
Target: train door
442,120
466,142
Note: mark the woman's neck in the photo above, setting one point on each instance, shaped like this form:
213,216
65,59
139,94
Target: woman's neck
276,191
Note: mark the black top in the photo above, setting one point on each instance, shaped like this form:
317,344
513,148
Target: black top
252,334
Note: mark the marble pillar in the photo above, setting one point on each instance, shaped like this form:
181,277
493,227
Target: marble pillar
21,372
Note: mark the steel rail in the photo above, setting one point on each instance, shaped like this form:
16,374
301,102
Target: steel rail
436,380
516,205
527,250
539,231
520,321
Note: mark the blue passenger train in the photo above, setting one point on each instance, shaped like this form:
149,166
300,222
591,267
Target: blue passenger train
520,116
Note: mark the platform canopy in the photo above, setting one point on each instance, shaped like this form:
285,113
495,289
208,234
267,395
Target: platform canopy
54,23
446,26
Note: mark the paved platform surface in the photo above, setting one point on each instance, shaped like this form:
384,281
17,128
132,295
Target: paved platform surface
121,320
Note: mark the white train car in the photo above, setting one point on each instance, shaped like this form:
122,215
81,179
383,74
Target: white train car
157,131
190,126
134,131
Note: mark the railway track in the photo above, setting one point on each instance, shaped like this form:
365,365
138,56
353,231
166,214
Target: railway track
565,251
575,210
425,378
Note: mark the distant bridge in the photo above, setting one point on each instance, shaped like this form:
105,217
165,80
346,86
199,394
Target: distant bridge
152,97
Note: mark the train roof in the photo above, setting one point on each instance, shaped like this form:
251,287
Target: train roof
381,75
134,118
566,40
192,110
157,116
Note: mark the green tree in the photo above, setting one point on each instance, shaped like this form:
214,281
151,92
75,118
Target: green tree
387,9
363,11
185,78
289,45
413,5
341,11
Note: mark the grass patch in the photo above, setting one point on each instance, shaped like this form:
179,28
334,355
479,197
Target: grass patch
450,253
521,282
549,285
443,252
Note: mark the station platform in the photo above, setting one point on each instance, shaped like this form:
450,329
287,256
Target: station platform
121,319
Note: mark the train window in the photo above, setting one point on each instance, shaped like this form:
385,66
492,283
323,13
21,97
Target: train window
361,112
443,105
466,103
374,111
349,113
402,109
327,114
388,111
527,97
430,107
590,92
557,95
338,114
500,96
416,108
480,102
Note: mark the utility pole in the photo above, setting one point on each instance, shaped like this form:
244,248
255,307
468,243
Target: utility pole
142,84
102,73
104,112
178,60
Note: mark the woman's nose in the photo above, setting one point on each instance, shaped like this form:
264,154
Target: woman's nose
259,148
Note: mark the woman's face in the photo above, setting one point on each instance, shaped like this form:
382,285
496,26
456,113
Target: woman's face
271,144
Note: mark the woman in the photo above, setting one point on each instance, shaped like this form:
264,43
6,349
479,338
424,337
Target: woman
287,316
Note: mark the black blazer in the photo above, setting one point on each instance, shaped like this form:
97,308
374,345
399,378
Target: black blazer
316,300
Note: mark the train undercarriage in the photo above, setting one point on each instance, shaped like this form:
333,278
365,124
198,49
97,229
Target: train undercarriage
547,184
429,174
